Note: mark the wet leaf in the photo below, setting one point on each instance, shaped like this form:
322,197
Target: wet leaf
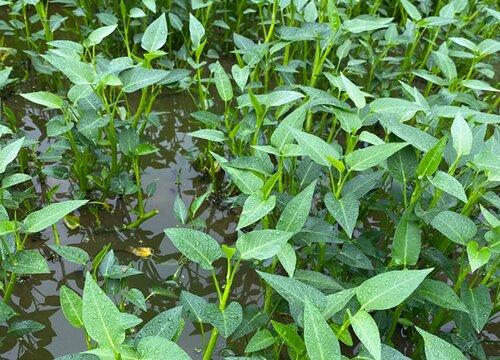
261,244
345,211
100,316
163,325
366,158
44,98
387,290
71,253
439,349
8,153
225,321
262,339
26,262
407,242
439,293
193,306
49,215
196,246
255,208
159,348
294,291
456,227
321,342
367,331
155,35
478,302
294,215
71,305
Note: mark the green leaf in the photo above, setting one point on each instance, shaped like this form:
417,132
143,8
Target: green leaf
416,137
411,10
479,304
98,35
431,160
441,294
193,306
100,316
288,259
71,306
488,47
255,208
438,349
262,339
294,215
6,312
283,135
477,257
316,148
272,99
361,24
136,297
138,78
461,135
246,181
478,85
158,348
240,75
449,184
493,238
76,71
353,91
407,242
225,321
387,290
196,246
180,210
19,328
222,83
196,31
208,134
49,215
345,211
402,165
366,330
350,122
336,302
366,158
8,153
445,64
164,325
155,35
71,253
318,280
294,291
44,98
262,244
288,332
26,262
321,342
150,5
404,109
456,227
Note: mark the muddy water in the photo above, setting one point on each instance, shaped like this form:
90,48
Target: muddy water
37,298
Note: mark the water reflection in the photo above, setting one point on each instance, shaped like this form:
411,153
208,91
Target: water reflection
37,297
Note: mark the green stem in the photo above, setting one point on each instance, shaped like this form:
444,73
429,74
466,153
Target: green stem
207,355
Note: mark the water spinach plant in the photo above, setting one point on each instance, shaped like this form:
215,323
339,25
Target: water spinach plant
355,144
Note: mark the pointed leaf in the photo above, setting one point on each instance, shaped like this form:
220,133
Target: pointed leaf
196,246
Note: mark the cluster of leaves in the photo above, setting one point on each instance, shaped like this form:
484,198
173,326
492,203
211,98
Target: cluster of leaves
359,139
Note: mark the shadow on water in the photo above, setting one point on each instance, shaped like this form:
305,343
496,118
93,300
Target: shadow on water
38,297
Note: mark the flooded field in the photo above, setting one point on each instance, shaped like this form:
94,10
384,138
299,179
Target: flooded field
272,179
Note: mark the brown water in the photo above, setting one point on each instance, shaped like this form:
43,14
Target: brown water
37,297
